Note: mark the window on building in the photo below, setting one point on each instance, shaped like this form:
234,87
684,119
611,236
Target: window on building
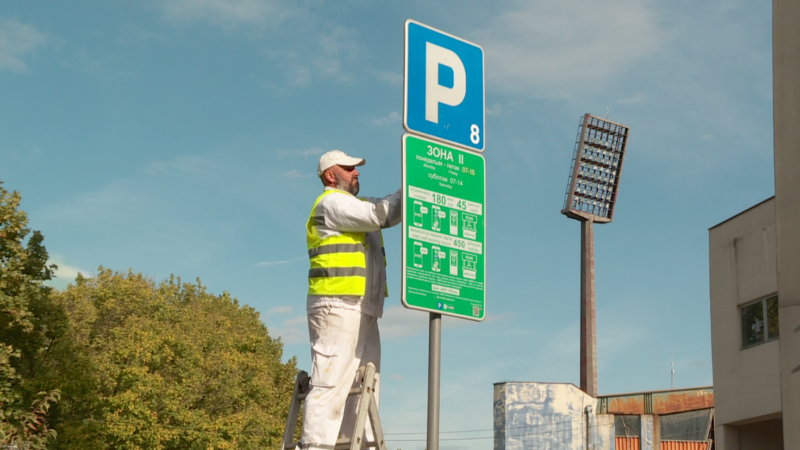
686,426
760,322
627,426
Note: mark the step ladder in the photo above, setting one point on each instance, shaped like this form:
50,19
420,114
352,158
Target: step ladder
366,407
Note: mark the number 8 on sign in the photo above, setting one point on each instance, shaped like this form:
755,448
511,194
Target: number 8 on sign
475,134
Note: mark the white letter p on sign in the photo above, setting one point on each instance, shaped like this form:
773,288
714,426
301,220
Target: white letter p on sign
435,93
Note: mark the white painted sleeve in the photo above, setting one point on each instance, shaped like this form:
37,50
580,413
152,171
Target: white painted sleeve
344,212
395,215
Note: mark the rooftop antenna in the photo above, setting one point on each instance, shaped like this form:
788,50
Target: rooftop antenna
672,379
608,111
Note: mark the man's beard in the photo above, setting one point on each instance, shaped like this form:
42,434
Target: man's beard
351,187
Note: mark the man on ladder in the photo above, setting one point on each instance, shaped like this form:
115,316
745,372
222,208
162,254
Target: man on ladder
347,286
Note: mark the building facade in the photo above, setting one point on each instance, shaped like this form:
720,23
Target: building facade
548,416
755,286
745,330
786,116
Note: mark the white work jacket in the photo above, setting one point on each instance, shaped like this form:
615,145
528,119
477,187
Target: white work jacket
343,212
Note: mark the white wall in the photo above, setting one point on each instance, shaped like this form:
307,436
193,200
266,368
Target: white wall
530,415
743,269
786,114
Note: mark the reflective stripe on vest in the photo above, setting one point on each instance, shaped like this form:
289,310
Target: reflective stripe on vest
338,263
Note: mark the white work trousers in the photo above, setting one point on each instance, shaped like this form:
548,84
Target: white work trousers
341,341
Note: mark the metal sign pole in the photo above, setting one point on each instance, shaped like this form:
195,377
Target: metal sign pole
434,372
444,236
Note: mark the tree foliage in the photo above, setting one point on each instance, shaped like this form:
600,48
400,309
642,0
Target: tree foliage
166,366
139,365
29,324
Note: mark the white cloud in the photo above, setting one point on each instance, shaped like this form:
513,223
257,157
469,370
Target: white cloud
336,49
280,310
390,119
112,205
303,153
618,336
292,331
551,48
16,40
226,13
65,274
280,262
204,166
294,173
498,317
324,57
494,110
340,41
389,77
157,167
401,322
614,340
397,322
635,99
307,46
176,211
88,63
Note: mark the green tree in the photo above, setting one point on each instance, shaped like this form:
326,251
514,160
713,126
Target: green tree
29,324
167,366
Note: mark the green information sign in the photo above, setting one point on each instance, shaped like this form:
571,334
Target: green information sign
444,229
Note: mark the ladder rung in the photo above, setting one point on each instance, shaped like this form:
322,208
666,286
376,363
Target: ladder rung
354,391
367,409
340,444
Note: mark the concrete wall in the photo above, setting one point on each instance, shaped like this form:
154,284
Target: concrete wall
648,432
766,435
743,269
727,437
531,416
786,113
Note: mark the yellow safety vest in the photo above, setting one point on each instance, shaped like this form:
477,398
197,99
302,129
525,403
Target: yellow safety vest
338,263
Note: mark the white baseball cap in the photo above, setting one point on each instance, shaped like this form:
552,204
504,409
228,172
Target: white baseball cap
337,158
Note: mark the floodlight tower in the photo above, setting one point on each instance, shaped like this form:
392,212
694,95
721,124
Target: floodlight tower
591,198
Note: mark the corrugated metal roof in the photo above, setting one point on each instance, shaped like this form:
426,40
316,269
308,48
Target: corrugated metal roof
685,445
627,443
634,443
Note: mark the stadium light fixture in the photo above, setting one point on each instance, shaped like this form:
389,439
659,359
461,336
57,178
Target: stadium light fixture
592,197
596,167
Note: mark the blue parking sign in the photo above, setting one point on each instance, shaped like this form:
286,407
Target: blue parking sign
444,87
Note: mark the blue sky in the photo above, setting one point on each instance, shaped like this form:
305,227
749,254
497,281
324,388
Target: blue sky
182,136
